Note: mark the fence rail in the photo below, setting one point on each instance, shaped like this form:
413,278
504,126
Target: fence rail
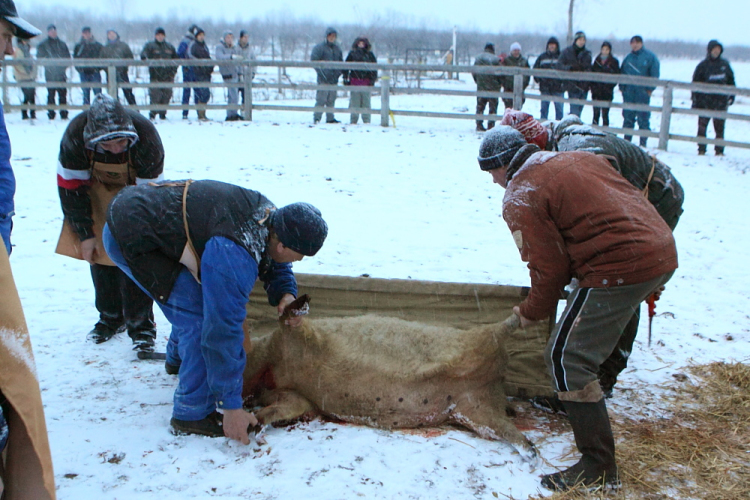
386,88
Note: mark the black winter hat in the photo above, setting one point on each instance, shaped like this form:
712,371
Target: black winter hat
86,29
499,146
51,27
579,34
198,31
489,47
331,31
243,33
24,29
636,38
160,31
300,226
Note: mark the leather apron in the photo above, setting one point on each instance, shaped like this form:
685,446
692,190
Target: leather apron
107,179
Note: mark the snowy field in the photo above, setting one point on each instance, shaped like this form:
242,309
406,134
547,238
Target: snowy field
405,202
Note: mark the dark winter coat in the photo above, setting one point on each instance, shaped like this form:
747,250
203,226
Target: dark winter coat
199,50
635,164
358,55
160,50
148,224
578,60
326,51
717,71
573,216
517,62
87,49
487,82
601,91
78,152
53,48
641,63
117,49
549,60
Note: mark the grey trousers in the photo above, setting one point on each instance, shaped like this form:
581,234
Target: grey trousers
587,333
360,100
233,95
324,99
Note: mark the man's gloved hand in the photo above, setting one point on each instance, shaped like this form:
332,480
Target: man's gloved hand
346,81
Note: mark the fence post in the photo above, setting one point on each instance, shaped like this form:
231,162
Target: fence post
248,104
385,92
517,92
666,117
112,81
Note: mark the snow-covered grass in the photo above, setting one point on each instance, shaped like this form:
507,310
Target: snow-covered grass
405,202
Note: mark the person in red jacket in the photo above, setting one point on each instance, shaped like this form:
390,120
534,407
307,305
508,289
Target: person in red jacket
573,216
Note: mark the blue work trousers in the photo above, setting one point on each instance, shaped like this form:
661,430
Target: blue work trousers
193,400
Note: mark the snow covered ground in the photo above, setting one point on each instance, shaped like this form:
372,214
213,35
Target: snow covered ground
405,202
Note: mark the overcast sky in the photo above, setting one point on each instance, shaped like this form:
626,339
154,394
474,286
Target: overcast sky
689,20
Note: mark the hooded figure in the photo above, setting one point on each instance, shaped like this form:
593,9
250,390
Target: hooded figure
361,53
716,70
550,86
117,49
103,150
605,63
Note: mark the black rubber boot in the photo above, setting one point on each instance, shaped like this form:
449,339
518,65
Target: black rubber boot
102,332
210,426
593,434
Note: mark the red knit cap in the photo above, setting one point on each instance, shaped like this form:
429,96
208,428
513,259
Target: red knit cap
533,131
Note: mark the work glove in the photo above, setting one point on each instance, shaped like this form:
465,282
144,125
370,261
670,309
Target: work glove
346,81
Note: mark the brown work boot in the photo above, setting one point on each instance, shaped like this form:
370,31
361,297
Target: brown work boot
210,426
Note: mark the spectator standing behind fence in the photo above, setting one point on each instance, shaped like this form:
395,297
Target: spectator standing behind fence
550,86
605,63
640,62
245,53
88,48
576,58
327,50
25,73
361,53
54,48
117,49
514,59
188,72
226,50
487,82
713,69
199,50
160,48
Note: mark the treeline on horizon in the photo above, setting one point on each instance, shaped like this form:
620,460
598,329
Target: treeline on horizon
283,36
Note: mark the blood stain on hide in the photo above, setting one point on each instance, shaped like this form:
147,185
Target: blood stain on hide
400,400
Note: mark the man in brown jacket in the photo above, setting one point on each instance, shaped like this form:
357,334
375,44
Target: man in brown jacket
573,216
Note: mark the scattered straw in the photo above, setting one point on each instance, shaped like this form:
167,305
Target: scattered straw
698,449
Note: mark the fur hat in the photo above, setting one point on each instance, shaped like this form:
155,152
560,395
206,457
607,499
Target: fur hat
499,146
300,226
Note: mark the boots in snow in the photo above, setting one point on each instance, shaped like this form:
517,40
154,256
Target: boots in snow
593,434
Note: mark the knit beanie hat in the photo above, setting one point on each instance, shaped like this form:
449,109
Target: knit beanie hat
514,46
533,131
160,31
579,34
489,47
499,146
300,226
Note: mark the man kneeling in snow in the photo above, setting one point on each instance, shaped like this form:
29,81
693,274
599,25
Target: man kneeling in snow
197,249
573,216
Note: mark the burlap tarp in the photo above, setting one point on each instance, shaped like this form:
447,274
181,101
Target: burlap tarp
460,305
28,465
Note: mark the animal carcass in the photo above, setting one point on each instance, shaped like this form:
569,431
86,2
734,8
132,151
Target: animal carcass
386,373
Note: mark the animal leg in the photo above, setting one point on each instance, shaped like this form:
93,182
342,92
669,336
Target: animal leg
491,422
285,406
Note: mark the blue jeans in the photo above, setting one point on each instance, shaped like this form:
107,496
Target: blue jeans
193,400
6,226
187,76
558,107
90,78
630,117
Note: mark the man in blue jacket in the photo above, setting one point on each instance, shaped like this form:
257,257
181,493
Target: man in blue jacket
640,62
10,25
197,248
328,50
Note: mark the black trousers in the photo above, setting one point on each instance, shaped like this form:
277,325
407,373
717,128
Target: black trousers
120,301
482,102
703,128
62,97
159,96
29,97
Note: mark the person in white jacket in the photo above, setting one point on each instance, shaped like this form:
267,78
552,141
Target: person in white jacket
227,50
